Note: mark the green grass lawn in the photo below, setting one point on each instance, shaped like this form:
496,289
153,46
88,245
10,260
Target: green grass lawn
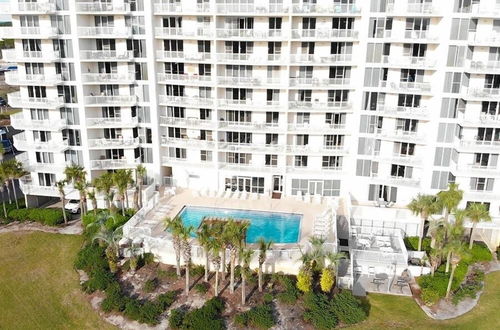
402,312
39,289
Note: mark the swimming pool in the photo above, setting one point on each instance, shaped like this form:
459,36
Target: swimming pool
276,226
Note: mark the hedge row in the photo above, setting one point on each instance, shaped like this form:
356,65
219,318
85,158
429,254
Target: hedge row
209,316
48,217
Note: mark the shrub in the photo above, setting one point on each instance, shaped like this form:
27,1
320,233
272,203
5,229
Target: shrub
470,287
132,309
148,258
260,317
150,285
197,270
291,293
115,300
99,279
149,312
201,288
48,217
267,298
165,300
411,243
429,296
91,257
327,280
347,308
318,311
479,253
18,215
304,281
176,318
168,274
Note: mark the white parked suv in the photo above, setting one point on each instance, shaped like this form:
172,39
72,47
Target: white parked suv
73,206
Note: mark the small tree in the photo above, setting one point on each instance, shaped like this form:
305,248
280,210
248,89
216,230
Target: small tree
477,213
82,186
435,257
215,249
424,206
134,257
185,236
304,279
122,179
62,195
91,194
205,239
235,233
140,173
104,184
245,257
449,199
264,246
458,251
111,239
175,227
329,273
75,173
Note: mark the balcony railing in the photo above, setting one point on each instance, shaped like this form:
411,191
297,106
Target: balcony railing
28,32
249,58
328,170
18,101
324,34
247,81
40,7
317,82
250,8
475,145
185,100
192,143
105,31
398,180
422,35
102,7
404,112
328,59
188,122
16,78
409,87
107,164
409,61
22,143
248,103
326,9
257,147
106,55
112,122
184,78
124,100
402,135
242,125
317,149
167,32
117,78
413,9
477,169
484,38
167,8
319,105
251,167
18,121
11,55
113,143
484,67
484,93
249,34
316,127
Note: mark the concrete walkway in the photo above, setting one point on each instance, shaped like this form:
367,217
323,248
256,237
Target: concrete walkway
73,228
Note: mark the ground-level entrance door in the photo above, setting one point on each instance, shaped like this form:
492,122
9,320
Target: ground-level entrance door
315,187
277,186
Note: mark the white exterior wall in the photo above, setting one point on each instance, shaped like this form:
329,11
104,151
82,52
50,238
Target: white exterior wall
190,171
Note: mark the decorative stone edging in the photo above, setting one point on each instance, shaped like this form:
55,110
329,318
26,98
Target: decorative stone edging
73,228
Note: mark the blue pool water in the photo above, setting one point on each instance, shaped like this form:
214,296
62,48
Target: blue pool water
278,227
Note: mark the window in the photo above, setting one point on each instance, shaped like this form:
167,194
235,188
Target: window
300,161
409,100
365,167
325,188
446,132
381,192
44,157
401,171
206,155
238,116
331,162
442,156
303,118
404,149
176,112
341,48
238,158
206,114
334,119
179,153
450,107
203,46
271,160
333,141
485,160
302,139
248,184
406,125
271,138
173,45
441,179
481,184
272,117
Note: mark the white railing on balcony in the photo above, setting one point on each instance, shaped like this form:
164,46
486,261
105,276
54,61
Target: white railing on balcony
413,8
192,122
309,148
405,86
16,78
175,160
167,32
250,57
319,82
18,121
109,143
490,37
421,35
247,8
332,58
410,61
315,127
479,144
194,143
305,8
417,112
112,122
247,81
123,78
106,31
185,100
307,170
167,8
184,78
111,100
106,164
247,167
112,55
319,105
399,134
472,169
249,33
102,7
397,180
485,10
18,101
248,103
47,6
324,34
28,31
22,143
236,146
486,93
224,124
11,55
485,67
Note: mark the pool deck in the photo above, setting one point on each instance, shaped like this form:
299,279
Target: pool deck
170,206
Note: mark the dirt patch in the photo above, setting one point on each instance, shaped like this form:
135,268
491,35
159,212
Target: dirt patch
73,228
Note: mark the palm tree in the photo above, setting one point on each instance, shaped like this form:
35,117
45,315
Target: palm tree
185,236
458,251
61,184
424,206
449,199
175,227
2,190
92,196
215,249
204,238
329,272
264,246
140,173
477,213
104,184
234,235
454,232
82,186
437,231
245,256
75,173
435,258
15,171
5,168
134,257
122,179
111,238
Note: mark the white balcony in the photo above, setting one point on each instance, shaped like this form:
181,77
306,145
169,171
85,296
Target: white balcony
324,34
336,128
401,135
320,82
316,105
18,121
247,81
396,158
30,188
183,143
482,195
478,170
479,146
39,7
250,147
15,78
22,143
483,67
109,164
190,79
483,11
249,34
11,55
7,32
397,180
249,167
481,120
165,8
483,94
106,55
250,58
333,170
339,59
114,122
489,38
423,36
404,112
317,149
18,101
185,100
410,62
248,104
170,55
348,9
413,9
250,8
170,32
248,125
187,122
123,100
105,143
408,87
112,78
94,8
105,32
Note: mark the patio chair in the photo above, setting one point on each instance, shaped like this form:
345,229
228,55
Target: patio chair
228,193
244,195
220,193
317,199
236,194
307,198
254,196
299,196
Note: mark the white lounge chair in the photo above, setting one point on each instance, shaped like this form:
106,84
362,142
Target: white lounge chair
220,194
307,198
228,193
244,195
254,196
236,194
299,195
317,199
